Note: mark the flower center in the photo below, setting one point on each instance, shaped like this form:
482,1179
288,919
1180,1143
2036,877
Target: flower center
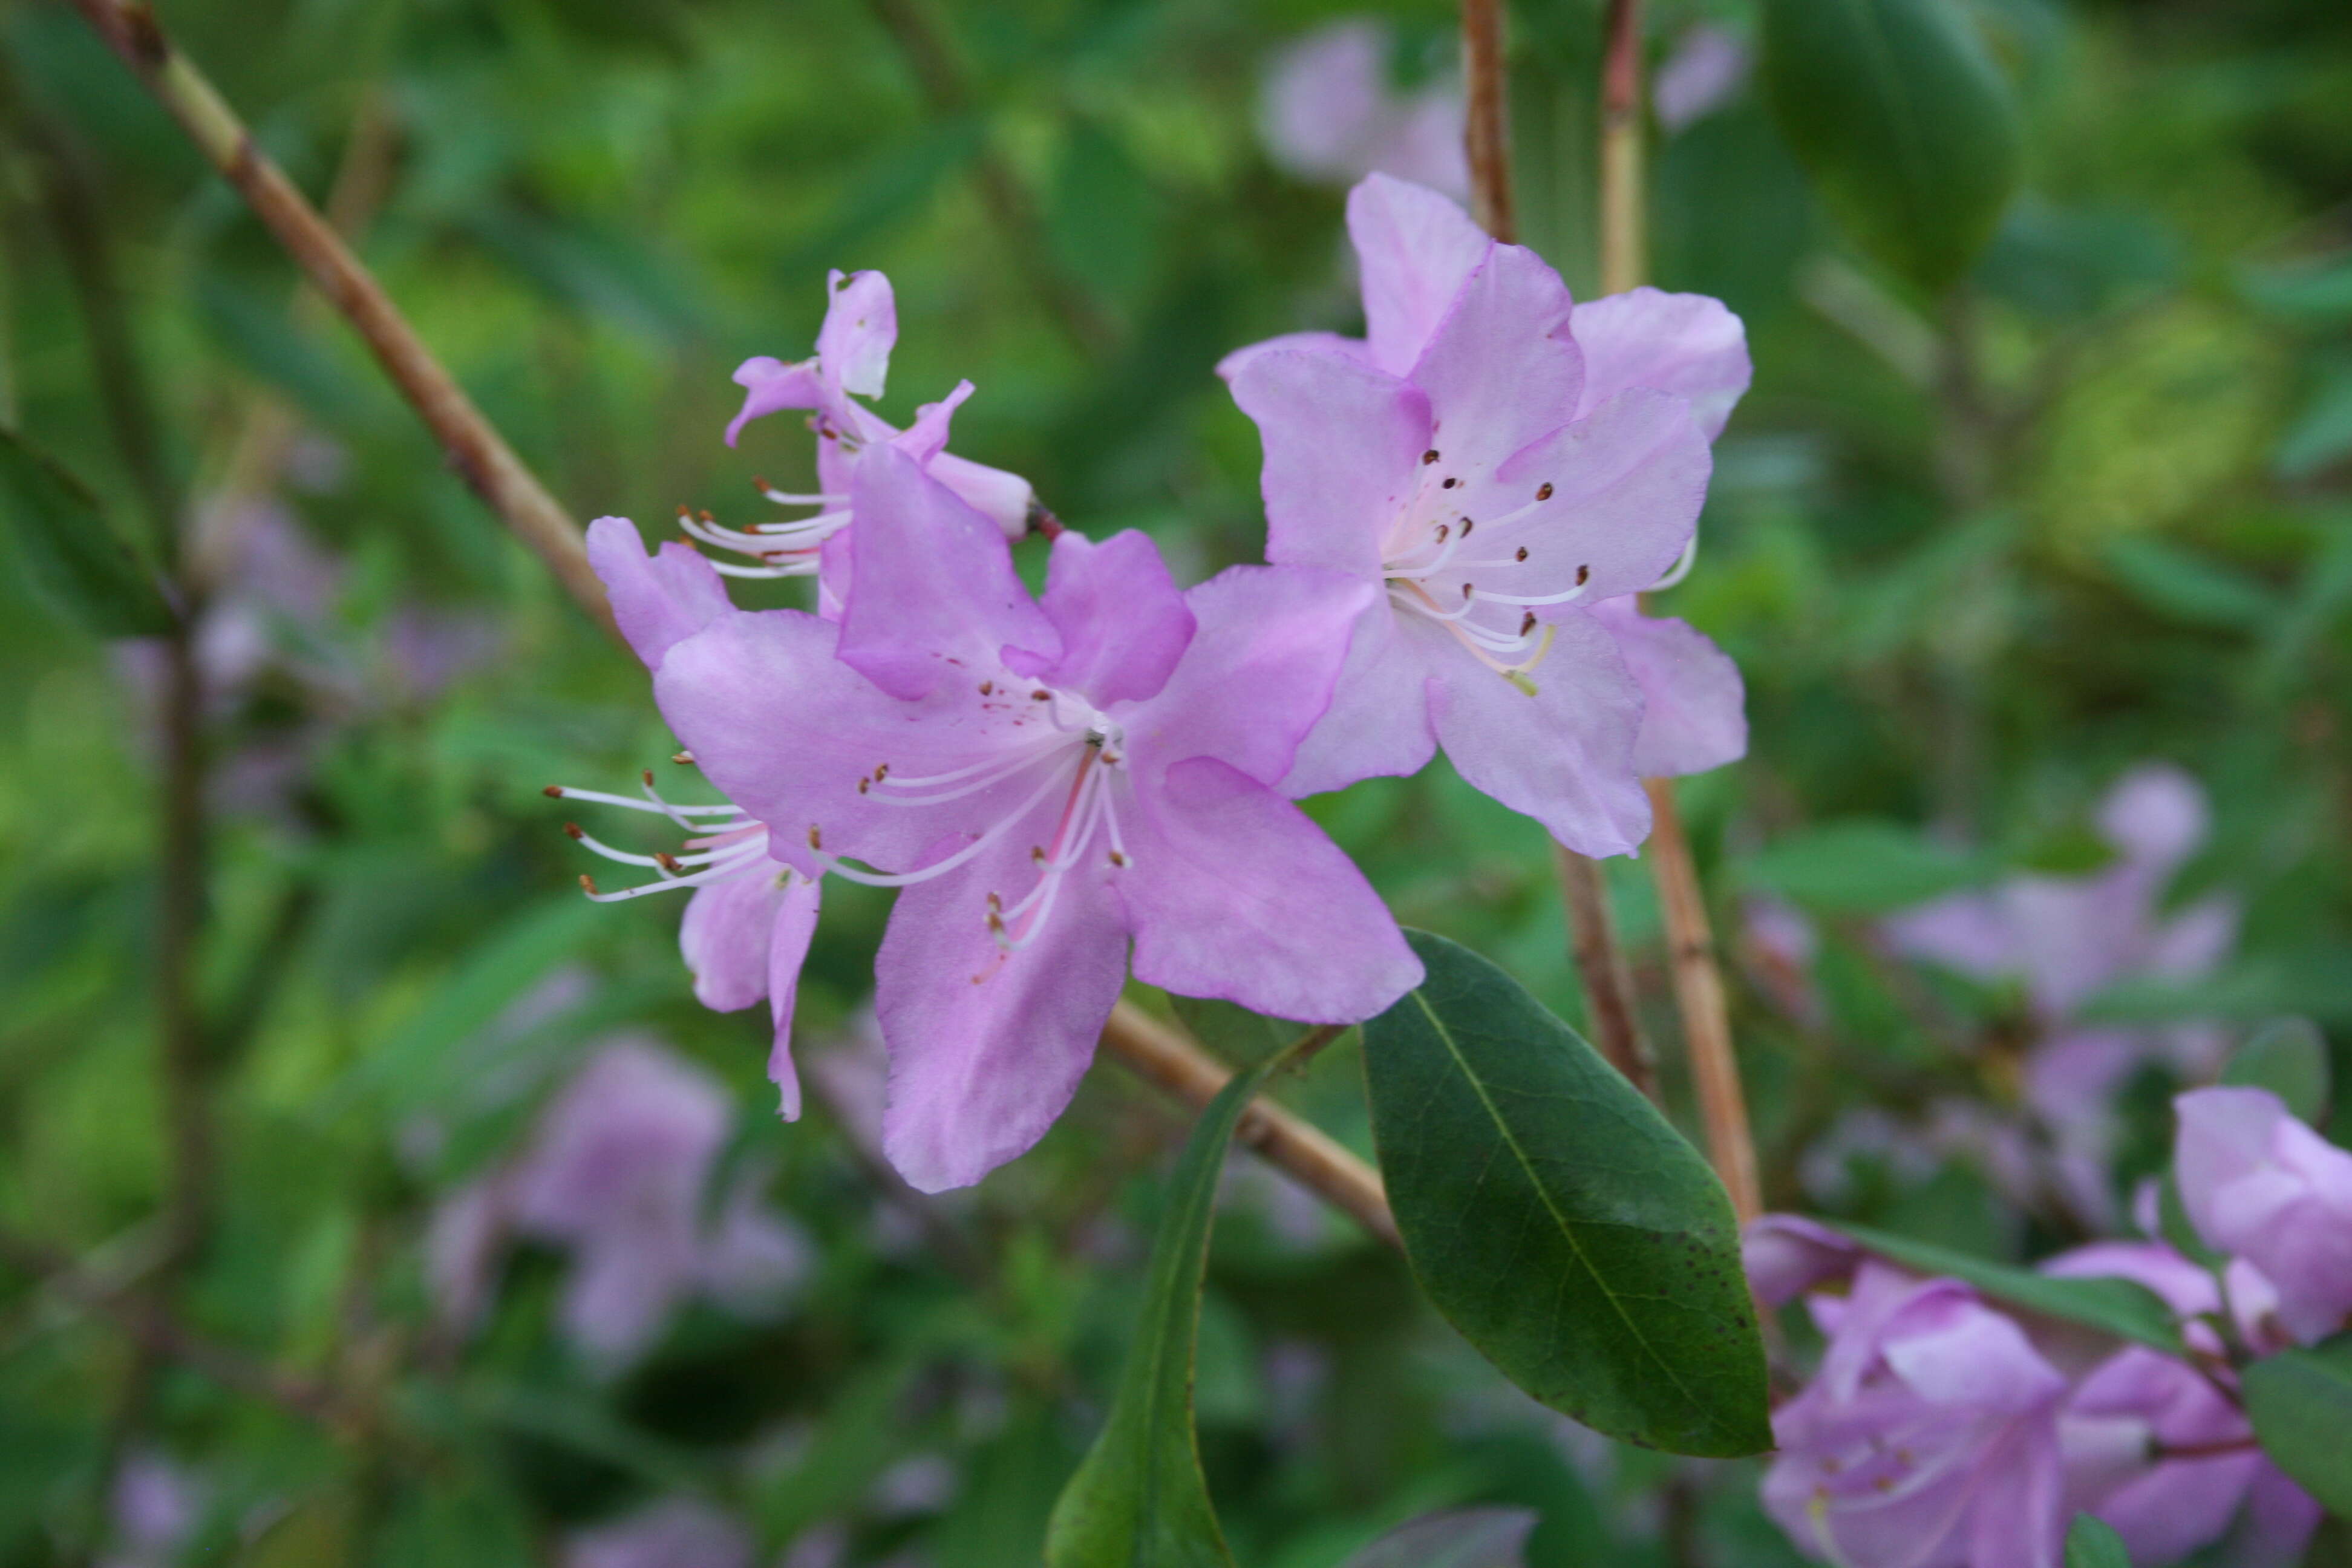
1430,576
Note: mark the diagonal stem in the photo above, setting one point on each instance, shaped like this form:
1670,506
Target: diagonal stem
1486,127
1159,1054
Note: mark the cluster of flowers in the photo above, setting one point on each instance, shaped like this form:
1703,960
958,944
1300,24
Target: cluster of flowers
1942,1430
1461,506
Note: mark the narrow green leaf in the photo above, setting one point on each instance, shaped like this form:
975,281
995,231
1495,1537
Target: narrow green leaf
78,561
1140,1500
1903,121
2093,1544
1459,1538
2288,1058
1864,867
2123,1307
1557,1219
2300,1402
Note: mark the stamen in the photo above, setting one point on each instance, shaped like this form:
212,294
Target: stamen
1543,490
1429,456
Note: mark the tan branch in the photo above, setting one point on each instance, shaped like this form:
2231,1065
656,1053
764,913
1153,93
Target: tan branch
1601,965
1486,128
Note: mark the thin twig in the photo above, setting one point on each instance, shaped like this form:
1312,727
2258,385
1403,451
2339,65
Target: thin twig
947,89
1600,963
1698,996
1486,127
1165,1056
1624,235
1156,1052
478,453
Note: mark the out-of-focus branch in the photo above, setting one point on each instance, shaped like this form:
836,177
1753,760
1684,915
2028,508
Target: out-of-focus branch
1624,234
1601,962
478,453
1165,1056
1486,128
948,89
1158,1053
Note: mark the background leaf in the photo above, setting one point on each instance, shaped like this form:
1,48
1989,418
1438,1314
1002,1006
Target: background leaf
1140,1500
2123,1307
2093,1544
1903,121
1461,1538
2290,1060
1557,1219
2300,1402
79,563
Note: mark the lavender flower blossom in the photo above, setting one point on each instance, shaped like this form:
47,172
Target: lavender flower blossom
1329,113
2258,1183
681,1532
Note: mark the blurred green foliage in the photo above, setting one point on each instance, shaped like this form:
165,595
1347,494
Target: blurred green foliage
1972,563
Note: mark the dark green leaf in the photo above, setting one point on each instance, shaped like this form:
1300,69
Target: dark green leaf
71,552
1903,121
1863,868
2290,1060
1557,1219
1140,1500
2191,586
1462,1538
264,338
2122,1308
2300,1402
2092,1544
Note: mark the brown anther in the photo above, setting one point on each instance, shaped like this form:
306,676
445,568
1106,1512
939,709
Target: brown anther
553,792
987,688
1429,456
649,778
1467,524
1037,854
817,840
1527,622
684,515
1445,531
881,772
1522,555
864,785
666,860
1543,490
573,829
995,923
1118,857
759,481
587,884
1583,575
1448,482
705,516
1466,592
995,900
683,759
1041,697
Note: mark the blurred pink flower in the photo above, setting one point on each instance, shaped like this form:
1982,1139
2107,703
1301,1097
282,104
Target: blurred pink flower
1927,1439
1330,113
681,1532
2259,1183
1575,447
617,1174
155,1507
1708,66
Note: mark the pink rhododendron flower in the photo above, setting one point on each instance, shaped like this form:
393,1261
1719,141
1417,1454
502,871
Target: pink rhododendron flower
2257,1182
617,1174
1330,113
747,926
1786,1255
851,361
1928,1438
1047,779
1502,469
679,1533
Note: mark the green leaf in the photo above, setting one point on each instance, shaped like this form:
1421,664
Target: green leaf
1140,1500
263,338
2093,1544
2288,1058
1460,1538
2123,1307
1557,1219
1903,121
1863,867
2300,1402
82,565
2191,586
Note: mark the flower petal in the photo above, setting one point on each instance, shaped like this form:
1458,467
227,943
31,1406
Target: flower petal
1693,707
1564,755
771,385
1501,369
1626,486
788,945
1415,248
1259,671
1234,893
1331,345
861,325
985,1047
935,597
1688,344
724,937
1378,724
659,601
1342,445
1123,622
